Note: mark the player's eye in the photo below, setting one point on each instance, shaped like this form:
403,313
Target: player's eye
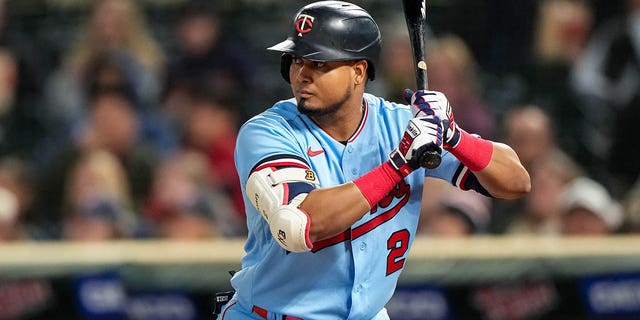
296,60
319,64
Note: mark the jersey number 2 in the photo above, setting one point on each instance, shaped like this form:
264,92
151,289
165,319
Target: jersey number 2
398,243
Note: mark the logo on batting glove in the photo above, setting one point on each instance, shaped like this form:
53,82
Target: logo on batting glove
422,133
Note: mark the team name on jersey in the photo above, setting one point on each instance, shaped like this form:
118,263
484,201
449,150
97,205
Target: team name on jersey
392,202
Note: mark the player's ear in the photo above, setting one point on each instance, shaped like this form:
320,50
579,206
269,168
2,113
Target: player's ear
360,71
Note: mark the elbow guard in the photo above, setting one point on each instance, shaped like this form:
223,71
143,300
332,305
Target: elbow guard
290,227
276,194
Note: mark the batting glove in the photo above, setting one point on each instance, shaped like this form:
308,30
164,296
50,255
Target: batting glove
422,134
434,103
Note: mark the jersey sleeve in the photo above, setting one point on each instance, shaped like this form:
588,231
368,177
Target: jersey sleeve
267,141
452,170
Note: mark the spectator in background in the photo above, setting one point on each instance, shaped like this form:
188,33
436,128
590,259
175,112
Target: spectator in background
10,229
541,211
113,26
452,70
456,213
118,71
205,57
211,127
530,131
561,32
22,124
16,200
97,201
186,203
588,209
111,126
607,77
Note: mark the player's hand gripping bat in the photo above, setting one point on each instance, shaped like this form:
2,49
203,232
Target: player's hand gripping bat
415,13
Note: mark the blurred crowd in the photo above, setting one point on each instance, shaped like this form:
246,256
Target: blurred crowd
124,134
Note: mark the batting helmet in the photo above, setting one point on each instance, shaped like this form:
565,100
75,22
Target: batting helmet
331,31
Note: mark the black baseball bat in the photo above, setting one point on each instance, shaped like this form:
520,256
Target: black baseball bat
415,14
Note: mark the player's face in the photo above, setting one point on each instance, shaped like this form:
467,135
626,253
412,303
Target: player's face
321,87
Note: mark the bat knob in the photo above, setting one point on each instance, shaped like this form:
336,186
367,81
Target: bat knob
430,159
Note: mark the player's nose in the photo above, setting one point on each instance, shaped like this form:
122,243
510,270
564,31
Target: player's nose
304,72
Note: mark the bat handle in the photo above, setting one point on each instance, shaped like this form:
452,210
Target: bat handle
430,158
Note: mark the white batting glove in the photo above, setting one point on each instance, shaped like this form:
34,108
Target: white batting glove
422,134
426,103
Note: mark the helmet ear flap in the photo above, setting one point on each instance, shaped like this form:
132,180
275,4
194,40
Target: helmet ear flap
285,65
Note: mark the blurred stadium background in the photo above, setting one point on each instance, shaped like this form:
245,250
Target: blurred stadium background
117,124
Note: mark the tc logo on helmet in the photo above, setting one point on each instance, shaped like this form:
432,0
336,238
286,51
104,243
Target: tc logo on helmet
304,23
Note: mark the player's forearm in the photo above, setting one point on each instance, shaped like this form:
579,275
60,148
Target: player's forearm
504,176
333,210
496,165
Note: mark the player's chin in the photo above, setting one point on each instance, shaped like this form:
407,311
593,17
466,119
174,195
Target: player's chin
316,108
305,107
302,109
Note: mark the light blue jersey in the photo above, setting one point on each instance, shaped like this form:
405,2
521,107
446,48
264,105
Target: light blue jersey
353,274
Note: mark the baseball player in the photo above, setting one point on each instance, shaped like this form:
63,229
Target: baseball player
331,179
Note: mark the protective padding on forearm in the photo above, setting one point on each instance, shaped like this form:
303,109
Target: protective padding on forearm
276,194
